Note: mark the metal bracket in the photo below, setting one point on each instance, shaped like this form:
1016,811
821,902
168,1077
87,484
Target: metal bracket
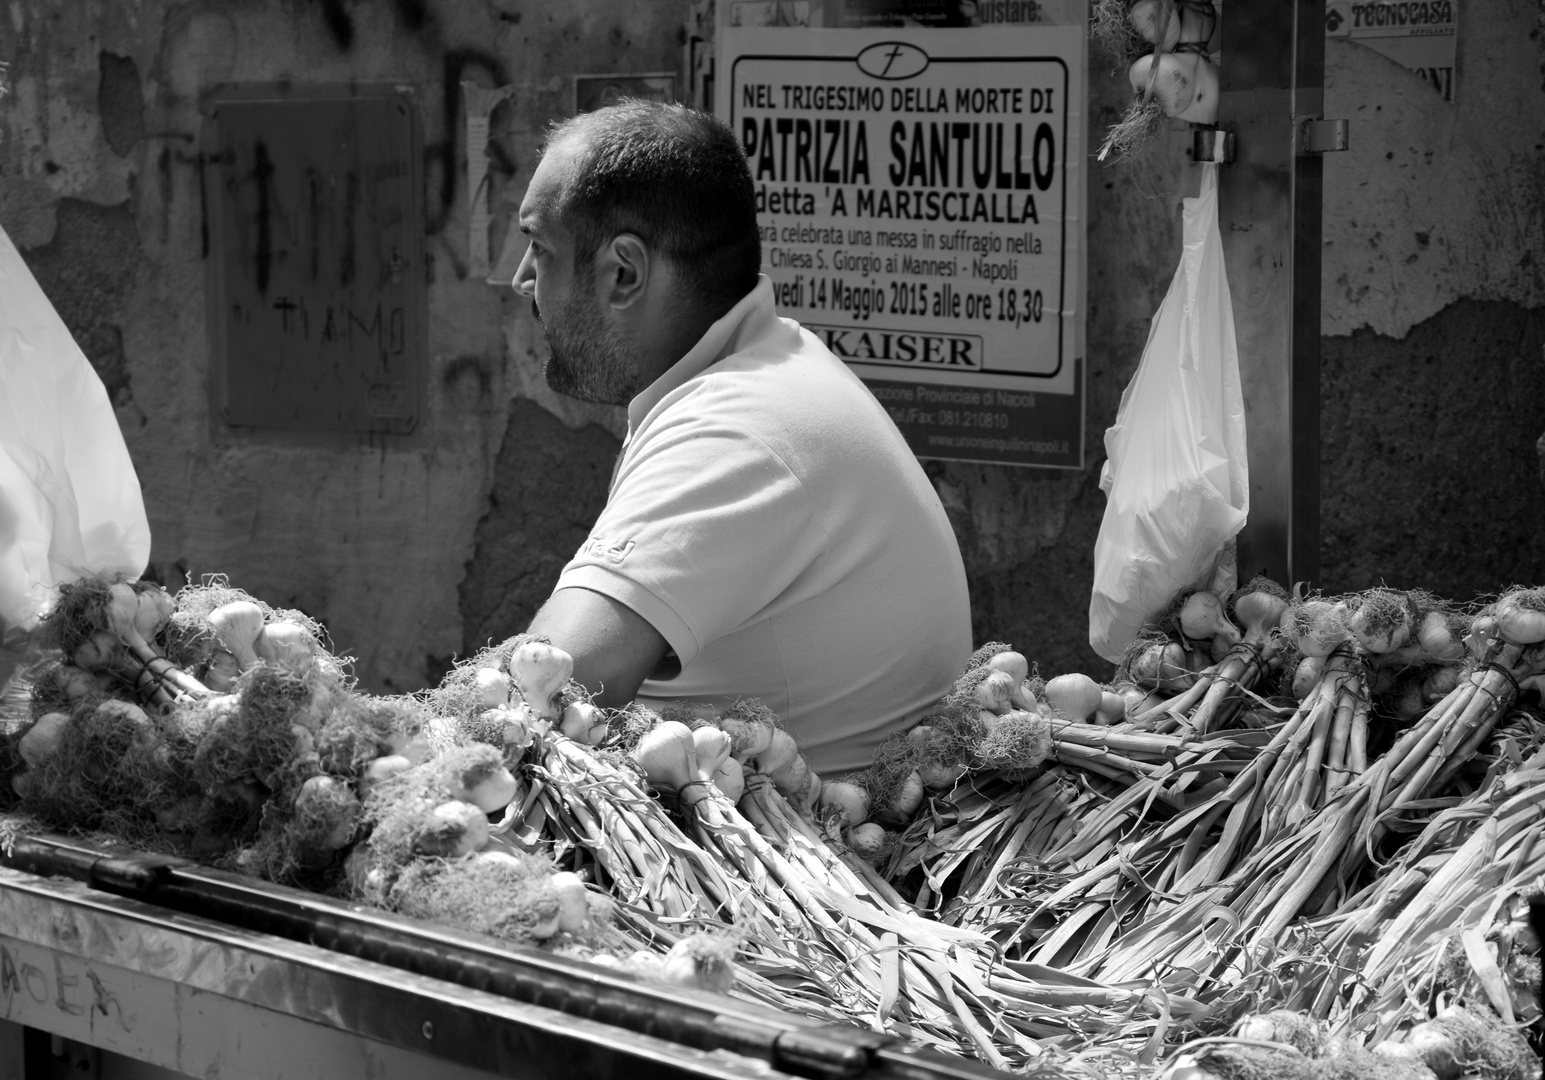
1212,144
1317,136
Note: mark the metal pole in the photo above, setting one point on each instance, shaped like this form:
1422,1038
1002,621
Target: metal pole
1273,68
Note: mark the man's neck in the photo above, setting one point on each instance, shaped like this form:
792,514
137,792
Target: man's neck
676,332
710,341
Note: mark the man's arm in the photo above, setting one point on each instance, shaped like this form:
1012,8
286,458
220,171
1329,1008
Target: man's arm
614,648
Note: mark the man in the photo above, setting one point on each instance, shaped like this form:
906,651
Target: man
768,534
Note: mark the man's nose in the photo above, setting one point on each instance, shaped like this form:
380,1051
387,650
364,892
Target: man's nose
525,275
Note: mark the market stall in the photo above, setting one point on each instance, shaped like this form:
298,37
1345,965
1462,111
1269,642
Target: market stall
159,962
1276,832
1279,810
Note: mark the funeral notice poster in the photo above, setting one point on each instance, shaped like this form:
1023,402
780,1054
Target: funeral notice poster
920,194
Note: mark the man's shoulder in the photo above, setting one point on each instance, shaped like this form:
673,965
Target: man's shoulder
790,374
783,397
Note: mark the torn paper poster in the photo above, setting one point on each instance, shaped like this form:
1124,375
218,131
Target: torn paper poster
480,104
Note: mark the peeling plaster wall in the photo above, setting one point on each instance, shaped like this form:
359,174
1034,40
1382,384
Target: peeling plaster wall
1433,307
549,487
100,188
1430,475
1433,227
1436,201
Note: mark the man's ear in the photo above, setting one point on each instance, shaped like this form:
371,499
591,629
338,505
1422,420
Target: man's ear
627,266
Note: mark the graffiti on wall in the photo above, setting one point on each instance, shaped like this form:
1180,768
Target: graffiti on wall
317,290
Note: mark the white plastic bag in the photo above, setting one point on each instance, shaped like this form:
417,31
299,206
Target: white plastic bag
1175,475
70,502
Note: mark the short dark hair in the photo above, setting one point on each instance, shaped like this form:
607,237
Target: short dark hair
675,177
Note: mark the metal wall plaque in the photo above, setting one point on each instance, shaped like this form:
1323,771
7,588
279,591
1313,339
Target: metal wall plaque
315,267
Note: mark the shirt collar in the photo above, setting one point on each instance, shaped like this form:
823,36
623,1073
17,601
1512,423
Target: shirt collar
750,319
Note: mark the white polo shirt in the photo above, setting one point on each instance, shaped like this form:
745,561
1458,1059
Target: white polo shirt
767,518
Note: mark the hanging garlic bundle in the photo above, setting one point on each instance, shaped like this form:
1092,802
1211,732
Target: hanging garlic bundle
1185,84
1159,23
1176,80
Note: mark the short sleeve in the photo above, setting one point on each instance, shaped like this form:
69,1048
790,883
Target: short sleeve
706,529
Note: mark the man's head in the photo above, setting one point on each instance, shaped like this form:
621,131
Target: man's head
643,231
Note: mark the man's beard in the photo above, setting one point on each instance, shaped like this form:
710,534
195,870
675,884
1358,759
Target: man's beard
586,358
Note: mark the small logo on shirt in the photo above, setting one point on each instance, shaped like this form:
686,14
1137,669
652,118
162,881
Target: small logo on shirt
600,547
